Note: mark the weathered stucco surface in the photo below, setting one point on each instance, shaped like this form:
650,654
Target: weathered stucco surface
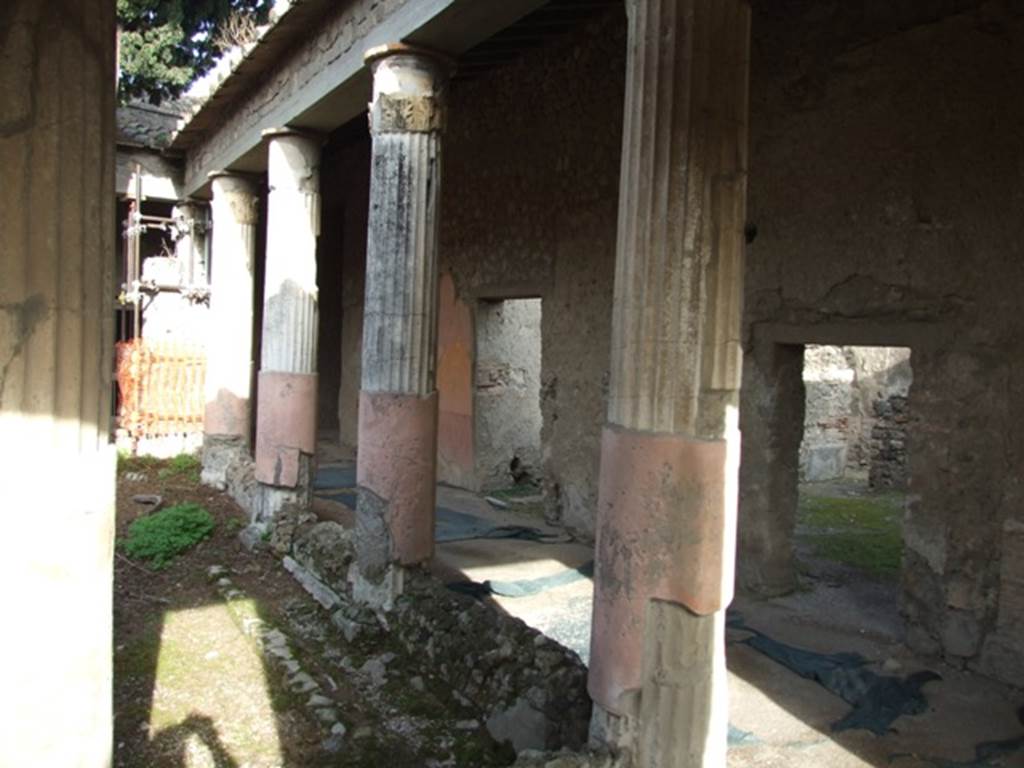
350,163
56,332
529,209
886,196
885,203
456,449
507,395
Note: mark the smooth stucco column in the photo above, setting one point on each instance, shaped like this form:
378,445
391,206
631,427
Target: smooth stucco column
57,246
226,428
286,411
398,402
670,452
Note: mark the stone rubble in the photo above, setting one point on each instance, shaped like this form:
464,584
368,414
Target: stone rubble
275,646
525,688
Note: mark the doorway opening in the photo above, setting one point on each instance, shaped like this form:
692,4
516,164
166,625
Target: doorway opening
854,477
507,394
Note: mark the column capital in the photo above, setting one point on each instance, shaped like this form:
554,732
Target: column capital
442,61
408,88
231,181
293,160
279,132
227,173
237,191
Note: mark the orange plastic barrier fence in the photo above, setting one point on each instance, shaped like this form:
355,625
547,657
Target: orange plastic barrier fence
161,387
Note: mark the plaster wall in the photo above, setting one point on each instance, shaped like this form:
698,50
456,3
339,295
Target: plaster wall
529,205
886,195
456,419
330,283
508,417
160,176
346,175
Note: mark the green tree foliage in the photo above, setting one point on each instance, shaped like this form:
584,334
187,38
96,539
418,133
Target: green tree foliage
166,44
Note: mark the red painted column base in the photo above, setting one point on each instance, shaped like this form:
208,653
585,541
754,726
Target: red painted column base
285,425
227,414
664,523
398,463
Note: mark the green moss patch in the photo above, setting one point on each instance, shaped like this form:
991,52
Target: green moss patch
861,531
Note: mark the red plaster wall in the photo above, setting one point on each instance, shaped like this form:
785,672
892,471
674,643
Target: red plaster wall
456,459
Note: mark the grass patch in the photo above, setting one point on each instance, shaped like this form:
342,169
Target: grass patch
128,463
184,466
164,535
862,531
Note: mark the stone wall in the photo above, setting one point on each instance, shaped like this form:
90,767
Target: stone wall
526,688
885,203
855,415
888,459
508,417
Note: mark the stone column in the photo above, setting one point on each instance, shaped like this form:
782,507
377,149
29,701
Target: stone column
669,458
57,245
188,248
226,428
398,401
287,386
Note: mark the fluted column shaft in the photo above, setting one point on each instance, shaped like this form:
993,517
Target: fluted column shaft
57,245
400,308
667,497
234,210
398,402
286,415
293,225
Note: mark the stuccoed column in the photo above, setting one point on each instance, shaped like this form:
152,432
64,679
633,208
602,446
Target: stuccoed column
287,385
184,214
190,243
226,428
398,402
670,452
57,246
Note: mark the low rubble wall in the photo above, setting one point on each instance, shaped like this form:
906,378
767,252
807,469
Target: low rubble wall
527,689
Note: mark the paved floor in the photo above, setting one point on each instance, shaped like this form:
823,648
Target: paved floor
778,718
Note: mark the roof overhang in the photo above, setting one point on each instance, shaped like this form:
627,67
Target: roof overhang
217,138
